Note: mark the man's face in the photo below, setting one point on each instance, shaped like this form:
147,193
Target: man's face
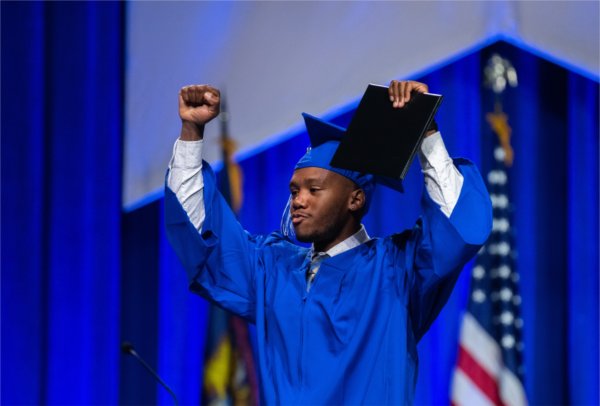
321,208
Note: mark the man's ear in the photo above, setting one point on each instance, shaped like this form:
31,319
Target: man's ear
357,200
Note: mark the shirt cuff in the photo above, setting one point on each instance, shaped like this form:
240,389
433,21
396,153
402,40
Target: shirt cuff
433,153
187,155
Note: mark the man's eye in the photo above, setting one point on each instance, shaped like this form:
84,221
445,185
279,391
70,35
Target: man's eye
314,189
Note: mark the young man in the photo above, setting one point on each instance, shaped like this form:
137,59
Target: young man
337,323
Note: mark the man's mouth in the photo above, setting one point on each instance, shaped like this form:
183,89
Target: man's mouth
297,218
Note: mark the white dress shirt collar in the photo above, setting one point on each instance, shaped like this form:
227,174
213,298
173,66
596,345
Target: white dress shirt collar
353,241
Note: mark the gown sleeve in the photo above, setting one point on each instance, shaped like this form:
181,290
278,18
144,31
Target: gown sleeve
439,247
220,261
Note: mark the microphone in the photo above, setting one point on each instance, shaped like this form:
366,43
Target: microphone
127,348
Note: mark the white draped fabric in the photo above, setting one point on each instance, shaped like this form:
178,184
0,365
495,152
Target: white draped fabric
276,59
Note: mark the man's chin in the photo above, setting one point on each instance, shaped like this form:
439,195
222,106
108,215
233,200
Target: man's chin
304,239
303,236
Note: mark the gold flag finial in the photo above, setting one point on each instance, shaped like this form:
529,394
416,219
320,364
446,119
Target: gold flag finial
500,73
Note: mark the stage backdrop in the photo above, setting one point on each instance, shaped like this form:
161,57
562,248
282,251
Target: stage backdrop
554,187
78,277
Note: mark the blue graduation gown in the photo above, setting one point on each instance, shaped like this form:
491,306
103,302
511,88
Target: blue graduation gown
352,338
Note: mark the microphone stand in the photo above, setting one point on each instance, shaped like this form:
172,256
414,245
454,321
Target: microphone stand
127,348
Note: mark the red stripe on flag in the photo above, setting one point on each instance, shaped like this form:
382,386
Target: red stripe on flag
485,382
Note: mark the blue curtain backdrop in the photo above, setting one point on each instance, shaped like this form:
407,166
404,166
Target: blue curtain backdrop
554,187
62,81
78,276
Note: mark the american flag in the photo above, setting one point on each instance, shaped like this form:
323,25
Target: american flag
489,368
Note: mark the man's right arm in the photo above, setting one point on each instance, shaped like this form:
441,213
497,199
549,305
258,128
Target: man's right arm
186,181
220,260
198,104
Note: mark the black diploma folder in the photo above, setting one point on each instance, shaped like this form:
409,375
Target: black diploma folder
383,140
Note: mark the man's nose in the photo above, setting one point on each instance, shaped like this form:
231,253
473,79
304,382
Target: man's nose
299,201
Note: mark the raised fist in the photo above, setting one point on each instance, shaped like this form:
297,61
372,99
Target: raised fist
198,104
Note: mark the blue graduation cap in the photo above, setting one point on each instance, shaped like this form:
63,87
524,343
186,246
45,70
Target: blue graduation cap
325,138
320,131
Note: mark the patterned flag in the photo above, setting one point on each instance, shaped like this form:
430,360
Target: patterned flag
489,368
229,372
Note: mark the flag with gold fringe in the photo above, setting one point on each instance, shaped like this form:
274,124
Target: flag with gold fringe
489,366
230,376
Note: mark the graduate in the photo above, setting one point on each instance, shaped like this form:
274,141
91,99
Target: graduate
338,322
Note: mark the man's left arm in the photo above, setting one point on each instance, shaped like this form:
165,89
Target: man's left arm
456,221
